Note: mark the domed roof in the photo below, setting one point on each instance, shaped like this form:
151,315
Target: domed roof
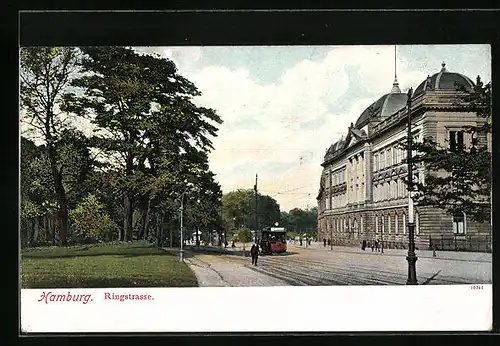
335,146
444,80
383,107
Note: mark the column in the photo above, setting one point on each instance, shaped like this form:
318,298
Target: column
368,190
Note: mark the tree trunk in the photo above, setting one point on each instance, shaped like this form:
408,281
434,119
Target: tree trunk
46,228
35,231
144,207
197,236
146,222
127,222
62,199
171,235
161,229
53,230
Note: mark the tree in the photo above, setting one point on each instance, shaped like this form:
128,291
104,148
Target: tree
238,209
147,121
459,179
244,235
91,222
45,74
302,221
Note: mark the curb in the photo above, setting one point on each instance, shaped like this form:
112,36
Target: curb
374,253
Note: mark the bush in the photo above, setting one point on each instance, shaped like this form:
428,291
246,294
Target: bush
91,223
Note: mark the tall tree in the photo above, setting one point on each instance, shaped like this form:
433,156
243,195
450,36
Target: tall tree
458,178
238,209
45,74
302,220
145,110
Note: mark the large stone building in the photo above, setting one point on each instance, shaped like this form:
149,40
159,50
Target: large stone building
362,193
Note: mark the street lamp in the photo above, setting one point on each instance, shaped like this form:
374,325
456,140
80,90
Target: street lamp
181,209
411,257
331,237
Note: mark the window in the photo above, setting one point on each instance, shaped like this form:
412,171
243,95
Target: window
361,224
376,224
456,140
460,141
396,188
388,157
388,223
396,223
395,158
459,220
404,223
375,162
382,161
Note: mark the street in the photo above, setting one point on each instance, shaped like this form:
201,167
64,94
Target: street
319,266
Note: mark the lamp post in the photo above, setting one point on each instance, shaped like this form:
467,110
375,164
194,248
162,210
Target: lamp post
331,237
382,229
181,257
411,257
181,209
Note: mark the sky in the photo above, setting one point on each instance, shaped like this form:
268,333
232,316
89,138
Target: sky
283,106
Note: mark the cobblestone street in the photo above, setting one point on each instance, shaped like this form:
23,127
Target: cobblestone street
319,266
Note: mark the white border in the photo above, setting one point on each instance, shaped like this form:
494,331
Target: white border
264,309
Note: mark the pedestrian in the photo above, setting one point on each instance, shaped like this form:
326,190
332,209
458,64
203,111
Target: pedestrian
233,245
376,246
254,251
363,245
373,245
324,242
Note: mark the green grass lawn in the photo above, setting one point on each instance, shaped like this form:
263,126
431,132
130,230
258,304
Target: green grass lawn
135,264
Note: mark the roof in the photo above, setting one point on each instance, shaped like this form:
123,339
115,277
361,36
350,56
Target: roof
444,80
382,108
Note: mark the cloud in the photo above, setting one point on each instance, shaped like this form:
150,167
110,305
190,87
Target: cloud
299,116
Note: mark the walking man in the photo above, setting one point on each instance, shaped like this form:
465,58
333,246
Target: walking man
324,242
254,251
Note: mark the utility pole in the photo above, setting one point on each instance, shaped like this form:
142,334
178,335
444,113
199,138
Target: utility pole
256,215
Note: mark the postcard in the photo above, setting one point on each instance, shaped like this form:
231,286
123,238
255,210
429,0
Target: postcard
242,188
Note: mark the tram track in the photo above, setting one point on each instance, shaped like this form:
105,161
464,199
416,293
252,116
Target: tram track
353,275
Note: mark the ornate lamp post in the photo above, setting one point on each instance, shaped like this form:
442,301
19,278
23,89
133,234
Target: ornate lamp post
411,257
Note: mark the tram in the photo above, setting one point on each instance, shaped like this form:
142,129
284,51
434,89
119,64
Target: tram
271,240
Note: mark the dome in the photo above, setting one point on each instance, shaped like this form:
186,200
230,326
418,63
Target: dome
335,147
382,108
444,80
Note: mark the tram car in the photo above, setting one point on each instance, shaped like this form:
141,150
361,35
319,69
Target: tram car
271,240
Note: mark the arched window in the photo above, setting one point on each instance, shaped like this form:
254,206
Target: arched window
459,222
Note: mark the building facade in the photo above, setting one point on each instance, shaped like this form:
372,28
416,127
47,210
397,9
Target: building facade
362,191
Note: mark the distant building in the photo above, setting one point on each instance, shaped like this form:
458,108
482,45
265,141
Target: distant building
362,194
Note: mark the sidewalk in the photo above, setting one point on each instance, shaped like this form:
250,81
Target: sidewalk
449,255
